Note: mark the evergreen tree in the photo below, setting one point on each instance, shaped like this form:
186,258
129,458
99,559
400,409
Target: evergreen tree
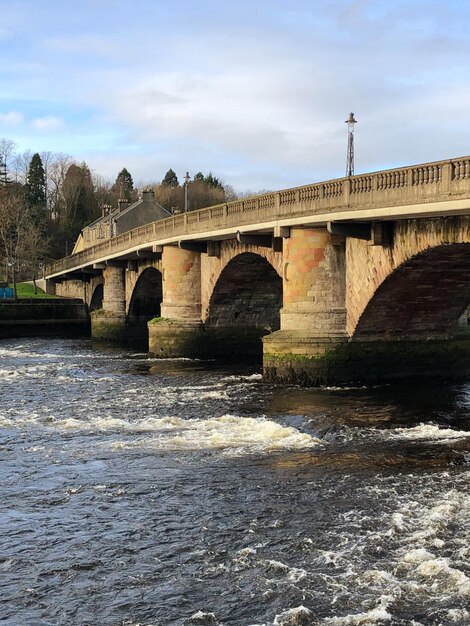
170,179
199,177
36,189
124,185
212,181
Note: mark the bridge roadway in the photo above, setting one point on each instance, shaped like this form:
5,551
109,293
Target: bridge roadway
350,274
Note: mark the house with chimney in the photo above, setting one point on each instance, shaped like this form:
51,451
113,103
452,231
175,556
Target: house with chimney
125,217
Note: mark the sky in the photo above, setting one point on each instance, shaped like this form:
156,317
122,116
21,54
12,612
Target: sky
256,91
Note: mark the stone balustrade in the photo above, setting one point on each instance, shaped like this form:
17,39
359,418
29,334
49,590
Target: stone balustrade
425,183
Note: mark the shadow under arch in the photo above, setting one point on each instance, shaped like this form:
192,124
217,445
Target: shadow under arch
245,304
423,298
96,301
146,297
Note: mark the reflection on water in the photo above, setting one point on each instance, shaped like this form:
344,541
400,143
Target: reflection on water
136,491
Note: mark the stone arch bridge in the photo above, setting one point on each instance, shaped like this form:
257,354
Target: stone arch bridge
360,278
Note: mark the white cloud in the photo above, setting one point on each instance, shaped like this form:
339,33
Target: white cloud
256,92
47,124
11,119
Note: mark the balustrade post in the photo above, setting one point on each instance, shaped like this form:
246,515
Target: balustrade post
346,190
409,177
446,177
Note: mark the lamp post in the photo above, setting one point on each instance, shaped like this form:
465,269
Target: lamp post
350,154
187,178
11,263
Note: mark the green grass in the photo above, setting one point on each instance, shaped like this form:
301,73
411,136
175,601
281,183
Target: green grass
25,290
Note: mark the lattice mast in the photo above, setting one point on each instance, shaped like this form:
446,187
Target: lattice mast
350,154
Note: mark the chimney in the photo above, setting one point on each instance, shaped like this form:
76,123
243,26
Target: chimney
148,195
122,204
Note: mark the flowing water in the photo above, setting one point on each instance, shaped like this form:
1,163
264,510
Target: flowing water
143,492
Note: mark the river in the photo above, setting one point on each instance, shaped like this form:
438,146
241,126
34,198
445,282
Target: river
184,493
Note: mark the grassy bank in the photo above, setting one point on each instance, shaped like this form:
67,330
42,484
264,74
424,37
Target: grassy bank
26,290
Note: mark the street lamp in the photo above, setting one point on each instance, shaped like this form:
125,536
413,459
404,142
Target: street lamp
11,263
350,155
187,178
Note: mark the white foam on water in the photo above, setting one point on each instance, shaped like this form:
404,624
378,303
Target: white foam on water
430,433
277,567
445,576
203,618
246,552
353,388
22,352
426,432
296,574
25,371
230,433
378,577
242,378
398,522
299,616
458,615
373,617
417,556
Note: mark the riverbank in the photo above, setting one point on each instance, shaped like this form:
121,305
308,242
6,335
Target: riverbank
58,317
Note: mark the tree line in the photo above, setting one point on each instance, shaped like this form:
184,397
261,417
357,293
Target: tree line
47,198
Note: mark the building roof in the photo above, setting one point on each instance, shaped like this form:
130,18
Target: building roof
147,200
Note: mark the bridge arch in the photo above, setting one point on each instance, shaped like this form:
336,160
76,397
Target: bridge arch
212,267
247,294
147,296
422,298
96,300
420,275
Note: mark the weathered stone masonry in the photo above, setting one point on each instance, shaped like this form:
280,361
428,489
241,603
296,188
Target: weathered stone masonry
363,278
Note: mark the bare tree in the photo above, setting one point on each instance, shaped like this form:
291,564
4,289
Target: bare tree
103,190
47,158
23,245
20,165
12,218
7,149
34,248
57,170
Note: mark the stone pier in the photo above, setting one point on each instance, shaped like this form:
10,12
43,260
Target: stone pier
313,316
179,330
109,323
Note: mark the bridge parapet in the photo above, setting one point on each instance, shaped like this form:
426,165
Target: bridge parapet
424,183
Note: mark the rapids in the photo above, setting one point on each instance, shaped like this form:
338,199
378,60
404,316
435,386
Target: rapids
183,493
